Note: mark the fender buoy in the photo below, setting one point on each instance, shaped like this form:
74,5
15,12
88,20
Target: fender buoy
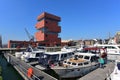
30,72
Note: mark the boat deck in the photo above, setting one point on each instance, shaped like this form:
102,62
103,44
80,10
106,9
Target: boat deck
99,74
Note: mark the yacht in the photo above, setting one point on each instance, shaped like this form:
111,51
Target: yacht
115,75
77,66
65,48
31,54
54,58
113,50
67,65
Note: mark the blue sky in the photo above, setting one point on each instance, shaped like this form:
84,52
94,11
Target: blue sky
80,19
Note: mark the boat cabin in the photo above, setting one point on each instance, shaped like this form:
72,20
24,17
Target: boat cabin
80,59
95,50
111,48
49,58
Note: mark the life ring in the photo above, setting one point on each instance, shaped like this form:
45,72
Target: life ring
30,72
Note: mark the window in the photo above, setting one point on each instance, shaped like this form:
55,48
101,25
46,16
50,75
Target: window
28,50
54,57
93,58
38,54
69,62
69,54
86,57
41,19
119,47
85,63
113,47
80,64
65,55
65,62
59,23
72,53
80,56
62,56
73,63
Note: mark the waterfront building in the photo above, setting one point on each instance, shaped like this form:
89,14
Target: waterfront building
47,34
117,37
48,30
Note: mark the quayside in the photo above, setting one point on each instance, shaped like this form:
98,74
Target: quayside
8,72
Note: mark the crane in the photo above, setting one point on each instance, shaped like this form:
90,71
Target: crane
31,37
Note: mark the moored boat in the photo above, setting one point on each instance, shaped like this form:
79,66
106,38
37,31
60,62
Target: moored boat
77,65
115,75
113,50
31,54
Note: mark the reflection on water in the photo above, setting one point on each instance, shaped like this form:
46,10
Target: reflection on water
8,72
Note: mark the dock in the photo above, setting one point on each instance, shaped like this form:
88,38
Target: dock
100,73
23,67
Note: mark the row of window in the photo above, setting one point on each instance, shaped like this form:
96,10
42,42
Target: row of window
79,64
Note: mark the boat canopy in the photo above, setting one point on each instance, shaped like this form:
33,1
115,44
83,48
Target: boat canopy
94,48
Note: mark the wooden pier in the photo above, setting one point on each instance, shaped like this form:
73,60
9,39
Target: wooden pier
100,73
23,67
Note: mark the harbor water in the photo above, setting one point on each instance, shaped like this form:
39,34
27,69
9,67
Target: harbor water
8,72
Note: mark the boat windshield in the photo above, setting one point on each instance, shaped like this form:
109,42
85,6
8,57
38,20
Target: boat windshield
29,49
35,49
118,65
52,57
119,47
86,57
80,56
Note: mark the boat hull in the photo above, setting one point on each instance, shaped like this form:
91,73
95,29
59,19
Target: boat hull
75,72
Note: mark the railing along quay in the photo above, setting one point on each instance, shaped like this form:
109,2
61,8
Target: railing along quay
4,50
23,67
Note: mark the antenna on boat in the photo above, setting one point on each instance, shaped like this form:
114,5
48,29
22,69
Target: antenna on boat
109,35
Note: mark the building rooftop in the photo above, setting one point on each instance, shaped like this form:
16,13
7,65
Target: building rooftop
48,15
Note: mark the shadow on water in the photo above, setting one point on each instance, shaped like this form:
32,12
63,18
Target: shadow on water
8,72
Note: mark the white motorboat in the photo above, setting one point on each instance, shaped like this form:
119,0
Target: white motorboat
115,75
77,66
49,58
68,66
65,48
30,54
113,50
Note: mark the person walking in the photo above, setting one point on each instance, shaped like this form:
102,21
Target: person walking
101,62
104,56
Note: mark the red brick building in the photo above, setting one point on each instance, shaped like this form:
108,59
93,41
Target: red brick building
48,30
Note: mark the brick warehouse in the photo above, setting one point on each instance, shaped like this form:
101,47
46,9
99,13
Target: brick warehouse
47,32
